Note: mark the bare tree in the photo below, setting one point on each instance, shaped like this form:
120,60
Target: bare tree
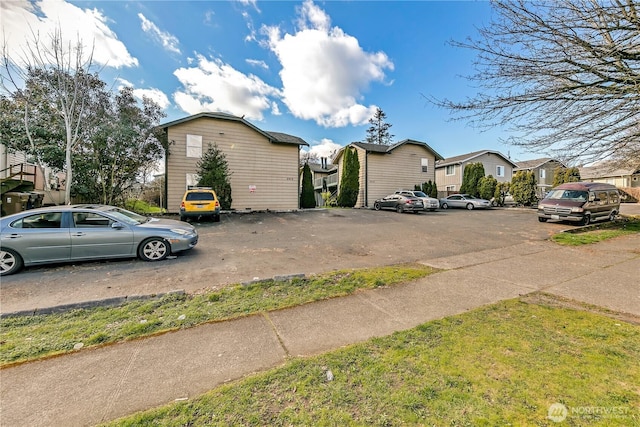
563,75
63,73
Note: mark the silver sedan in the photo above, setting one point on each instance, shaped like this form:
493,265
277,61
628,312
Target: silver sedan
87,232
464,201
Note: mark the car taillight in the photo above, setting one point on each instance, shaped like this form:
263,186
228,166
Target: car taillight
409,202
182,205
217,203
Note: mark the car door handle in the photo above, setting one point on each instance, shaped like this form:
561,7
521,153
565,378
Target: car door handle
15,236
79,234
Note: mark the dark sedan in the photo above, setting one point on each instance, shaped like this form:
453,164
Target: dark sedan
87,232
400,203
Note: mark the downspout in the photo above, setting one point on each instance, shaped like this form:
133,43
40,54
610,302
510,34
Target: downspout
366,178
299,189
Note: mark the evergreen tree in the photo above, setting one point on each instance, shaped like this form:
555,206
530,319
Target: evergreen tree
502,188
523,188
562,175
378,132
487,187
307,198
473,173
350,181
214,172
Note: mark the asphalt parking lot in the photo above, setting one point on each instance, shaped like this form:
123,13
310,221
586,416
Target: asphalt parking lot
248,246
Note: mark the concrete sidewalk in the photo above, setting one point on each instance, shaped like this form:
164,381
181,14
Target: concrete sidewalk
97,385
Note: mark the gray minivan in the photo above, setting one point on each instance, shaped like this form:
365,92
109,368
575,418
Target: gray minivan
581,202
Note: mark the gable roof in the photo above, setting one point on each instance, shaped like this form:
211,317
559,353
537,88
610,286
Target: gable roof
605,171
387,149
463,158
536,163
275,137
317,167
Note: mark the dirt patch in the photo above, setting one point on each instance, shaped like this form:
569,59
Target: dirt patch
540,298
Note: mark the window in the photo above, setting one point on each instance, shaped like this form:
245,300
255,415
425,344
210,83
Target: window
450,170
91,220
543,173
194,145
451,188
192,180
425,165
43,220
500,171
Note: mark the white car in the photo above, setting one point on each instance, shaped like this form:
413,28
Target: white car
430,204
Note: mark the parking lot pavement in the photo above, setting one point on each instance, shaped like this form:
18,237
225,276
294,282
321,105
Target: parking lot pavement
262,245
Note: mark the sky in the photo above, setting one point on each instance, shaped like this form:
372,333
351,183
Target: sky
314,69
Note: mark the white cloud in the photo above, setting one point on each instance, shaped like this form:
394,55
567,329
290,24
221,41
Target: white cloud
257,63
21,19
216,86
325,71
325,148
168,41
154,94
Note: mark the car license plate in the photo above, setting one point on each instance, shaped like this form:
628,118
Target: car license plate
555,216
200,206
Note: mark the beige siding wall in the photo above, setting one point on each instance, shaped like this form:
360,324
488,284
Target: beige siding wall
490,162
388,173
252,159
443,180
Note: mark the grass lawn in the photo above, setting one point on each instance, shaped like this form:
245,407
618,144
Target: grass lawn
504,364
598,232
31,337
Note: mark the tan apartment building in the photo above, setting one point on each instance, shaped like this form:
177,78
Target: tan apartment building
543,170
263,165
385,169
449,172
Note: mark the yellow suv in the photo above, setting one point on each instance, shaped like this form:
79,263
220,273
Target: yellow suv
200,201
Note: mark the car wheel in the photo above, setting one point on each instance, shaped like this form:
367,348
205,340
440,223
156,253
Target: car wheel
376,206
470,206
216,218
586,220
612,215
542,219
444,206
10,262
153,249
399,209
183,218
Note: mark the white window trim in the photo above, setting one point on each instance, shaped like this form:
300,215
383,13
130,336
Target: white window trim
543,173
446,170
498,169
192,180
194,146
424,162
450,188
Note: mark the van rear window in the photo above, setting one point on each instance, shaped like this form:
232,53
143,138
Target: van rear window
199,196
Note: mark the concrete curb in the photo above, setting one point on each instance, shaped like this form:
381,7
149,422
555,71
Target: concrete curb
108,302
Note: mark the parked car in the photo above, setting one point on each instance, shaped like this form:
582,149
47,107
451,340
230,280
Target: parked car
87,232
464,201
580,202
200,202
400,203
430,204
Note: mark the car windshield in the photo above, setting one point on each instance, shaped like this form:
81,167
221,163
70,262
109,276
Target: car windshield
127,217
419,194
573,195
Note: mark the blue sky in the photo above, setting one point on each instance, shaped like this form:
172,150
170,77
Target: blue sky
313,69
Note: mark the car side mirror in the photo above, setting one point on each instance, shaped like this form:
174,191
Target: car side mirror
117,225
